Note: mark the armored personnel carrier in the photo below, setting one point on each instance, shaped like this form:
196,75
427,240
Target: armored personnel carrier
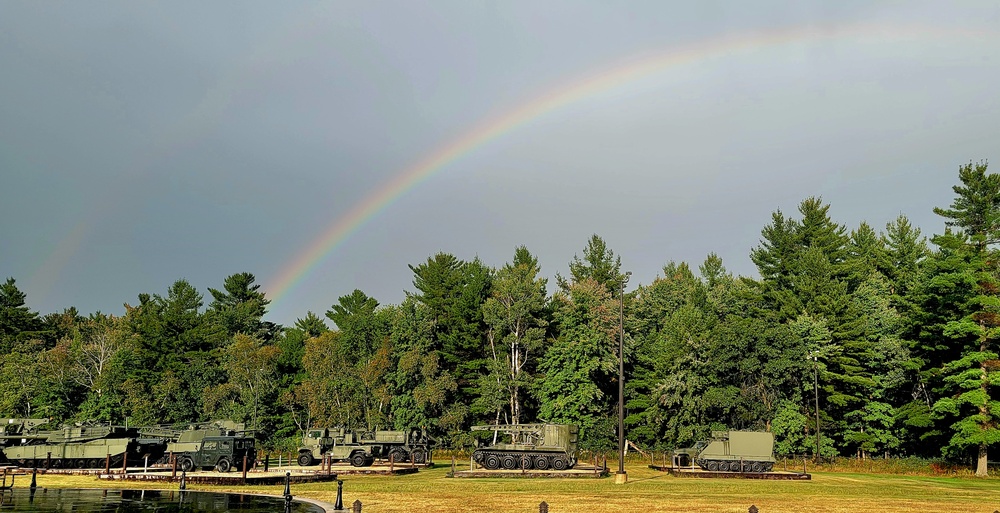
79,446
730,451
361,448
529,446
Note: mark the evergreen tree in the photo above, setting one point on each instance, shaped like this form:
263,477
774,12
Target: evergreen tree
972,377
17,322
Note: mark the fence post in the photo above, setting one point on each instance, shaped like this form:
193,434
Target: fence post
356,507
543,507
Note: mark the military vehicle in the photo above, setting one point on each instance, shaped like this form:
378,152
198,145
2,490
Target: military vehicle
78,446
529,446
361,448
730,451
221,445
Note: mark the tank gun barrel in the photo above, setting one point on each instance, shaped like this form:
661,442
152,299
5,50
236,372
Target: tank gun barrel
509,428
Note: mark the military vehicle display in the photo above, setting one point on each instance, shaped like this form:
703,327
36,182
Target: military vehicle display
361,448
529,446
222,445
730,451
79,446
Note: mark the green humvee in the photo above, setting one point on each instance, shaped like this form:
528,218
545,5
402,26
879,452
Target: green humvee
215,447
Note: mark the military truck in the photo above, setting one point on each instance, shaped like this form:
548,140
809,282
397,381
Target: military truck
529,446
77,446
222,445
730,451
361,448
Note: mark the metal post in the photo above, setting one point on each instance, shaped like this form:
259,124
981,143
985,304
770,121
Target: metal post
34,473
183,479
244,469
267,459
621,477
145,464
339,505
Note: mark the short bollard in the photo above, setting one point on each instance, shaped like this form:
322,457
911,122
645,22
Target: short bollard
543,507
356,507
753,509
288,491
339,505
184,476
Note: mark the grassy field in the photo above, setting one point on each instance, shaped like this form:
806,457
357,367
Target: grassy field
648,491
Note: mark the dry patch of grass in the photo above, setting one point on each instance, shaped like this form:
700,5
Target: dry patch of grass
648,491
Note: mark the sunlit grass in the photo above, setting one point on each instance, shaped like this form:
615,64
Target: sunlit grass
648,491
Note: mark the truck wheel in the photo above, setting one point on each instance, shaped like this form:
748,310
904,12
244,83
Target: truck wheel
358,459
187,465
223,465
418,455
398,455
305,459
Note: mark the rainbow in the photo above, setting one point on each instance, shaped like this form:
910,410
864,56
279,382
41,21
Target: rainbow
582,88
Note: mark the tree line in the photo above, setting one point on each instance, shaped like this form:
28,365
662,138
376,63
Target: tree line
892,334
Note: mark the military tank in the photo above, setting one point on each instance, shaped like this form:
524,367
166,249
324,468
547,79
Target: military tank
529,446
78,446
730,451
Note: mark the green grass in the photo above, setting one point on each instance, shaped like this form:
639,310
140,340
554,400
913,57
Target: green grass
648,491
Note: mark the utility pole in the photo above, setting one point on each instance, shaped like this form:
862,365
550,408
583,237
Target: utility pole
816,390
621,477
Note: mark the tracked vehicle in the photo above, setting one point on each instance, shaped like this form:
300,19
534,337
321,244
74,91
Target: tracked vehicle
361,448
730,451
529,446
80,446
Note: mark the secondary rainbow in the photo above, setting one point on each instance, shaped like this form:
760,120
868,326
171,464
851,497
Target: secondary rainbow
342,227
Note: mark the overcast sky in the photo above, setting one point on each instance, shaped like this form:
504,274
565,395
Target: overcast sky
145,142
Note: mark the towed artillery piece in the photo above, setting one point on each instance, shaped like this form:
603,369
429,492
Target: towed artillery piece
730,451
529,446
79,446
361,448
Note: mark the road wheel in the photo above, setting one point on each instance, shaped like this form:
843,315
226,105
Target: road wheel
758,466
768,466
713,466
492,462
305,459
559,463
418,455
509,462
223,465
358,459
